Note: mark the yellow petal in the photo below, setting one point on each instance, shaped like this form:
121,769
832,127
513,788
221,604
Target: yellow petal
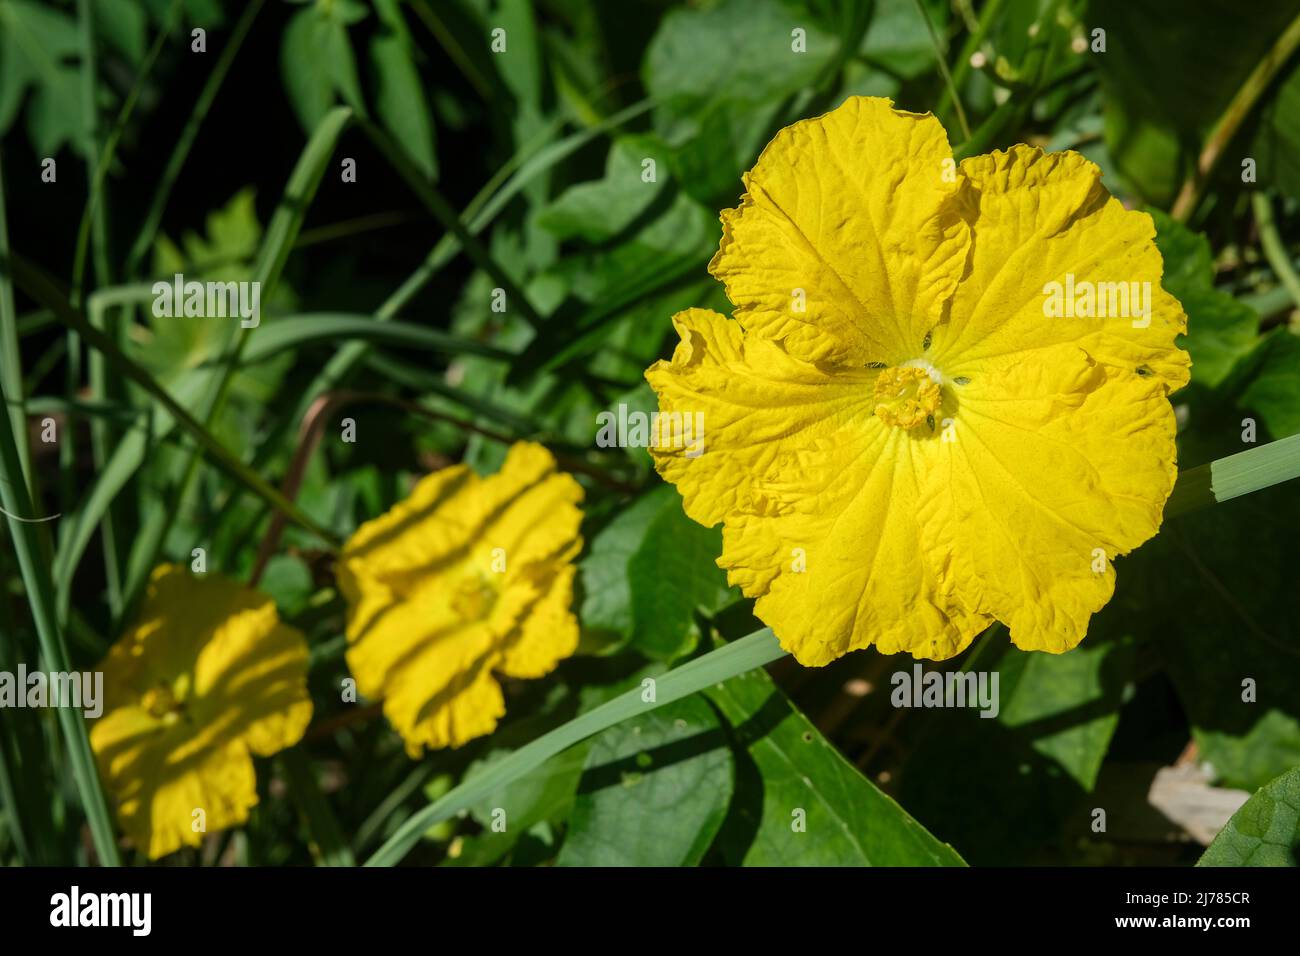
848,241
443,590
250,682
1042,218
926,446
1055,466
547,633
205,677
817,495
758,406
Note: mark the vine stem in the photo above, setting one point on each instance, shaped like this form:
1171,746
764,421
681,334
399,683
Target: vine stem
1189,197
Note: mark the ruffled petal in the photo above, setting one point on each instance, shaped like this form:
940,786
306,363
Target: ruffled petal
443,589
848,241
1055,467
816,494
1042,221
206,676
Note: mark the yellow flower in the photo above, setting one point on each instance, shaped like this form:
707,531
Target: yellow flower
206,678
466,577
911,432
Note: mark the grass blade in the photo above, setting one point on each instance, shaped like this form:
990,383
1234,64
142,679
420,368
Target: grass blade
1234,476
44,292
40,595
321,822
293,332
749,652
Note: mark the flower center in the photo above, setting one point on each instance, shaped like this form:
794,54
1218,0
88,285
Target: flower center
906,396
164,702
474,597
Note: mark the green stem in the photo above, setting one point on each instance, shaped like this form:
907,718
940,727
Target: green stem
1274,249
10,362
941,57
34,564
973,42
1189,197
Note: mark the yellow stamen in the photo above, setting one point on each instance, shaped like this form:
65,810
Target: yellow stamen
906,396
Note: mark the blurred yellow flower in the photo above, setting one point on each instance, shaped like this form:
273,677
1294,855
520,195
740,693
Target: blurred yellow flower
944,397
206,678
465,578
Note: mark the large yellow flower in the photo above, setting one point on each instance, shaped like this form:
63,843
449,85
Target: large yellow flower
207,677
466,577
911,432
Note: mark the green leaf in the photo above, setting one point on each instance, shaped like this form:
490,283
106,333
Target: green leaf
1272,389
734,50
1221,610
598,210
1276,145
316,60
1265,831
799,802
670,771
542,795
648,574
400,103
1024,773
38,48
1220,330
719,75
898,39
606,586
1156,119
122,23
1068,704
287,579
1224,615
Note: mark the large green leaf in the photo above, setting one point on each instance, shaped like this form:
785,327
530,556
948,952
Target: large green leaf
1220,330
648,574
799,802
1222,607
1157,118
1003,788
654,791
1067,705
598,210
1270,382
1265,831
720,75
